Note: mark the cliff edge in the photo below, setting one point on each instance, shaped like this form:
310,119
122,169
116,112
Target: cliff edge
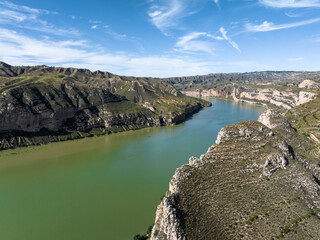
259,181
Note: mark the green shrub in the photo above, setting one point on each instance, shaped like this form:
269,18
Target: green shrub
140,237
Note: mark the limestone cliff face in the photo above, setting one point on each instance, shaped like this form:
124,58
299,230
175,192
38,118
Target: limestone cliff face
43,104
285,97
226,92
249,185
37,107
305,97
309,84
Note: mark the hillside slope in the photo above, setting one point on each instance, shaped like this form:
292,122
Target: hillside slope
259,181
42,104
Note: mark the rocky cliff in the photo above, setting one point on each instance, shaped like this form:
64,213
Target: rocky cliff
261,180
273,95
309,84
42,104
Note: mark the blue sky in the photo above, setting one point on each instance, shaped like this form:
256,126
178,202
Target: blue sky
162,38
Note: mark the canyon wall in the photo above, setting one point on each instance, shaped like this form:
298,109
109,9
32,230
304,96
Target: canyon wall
278,96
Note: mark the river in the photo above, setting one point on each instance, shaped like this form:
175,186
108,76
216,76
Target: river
102,188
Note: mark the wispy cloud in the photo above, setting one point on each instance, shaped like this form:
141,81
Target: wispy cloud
197,42
97,24
295,59
217,3
10,12
293,14
115,35
21,8
227,38
29,18
167,14
203,42
269,26
290,3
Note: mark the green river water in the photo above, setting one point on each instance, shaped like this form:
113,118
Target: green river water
102,188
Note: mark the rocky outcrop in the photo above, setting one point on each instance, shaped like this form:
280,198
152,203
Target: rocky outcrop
265,118
305,97
248,185
168,220
301,129
309,84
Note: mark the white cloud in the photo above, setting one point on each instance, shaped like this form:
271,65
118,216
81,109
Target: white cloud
155,13
8,15
191,43
25,9
29,18
115,35
293,14
291,3
217,3
269,26
107,29
202,42
12,12
227,38
167,14
295,59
